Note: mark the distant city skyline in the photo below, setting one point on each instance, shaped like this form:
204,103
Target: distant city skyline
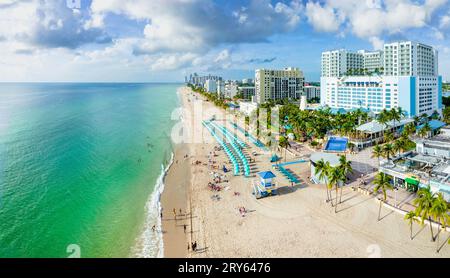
164,41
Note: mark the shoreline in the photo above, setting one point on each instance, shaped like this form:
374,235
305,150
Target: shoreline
296,223
177,183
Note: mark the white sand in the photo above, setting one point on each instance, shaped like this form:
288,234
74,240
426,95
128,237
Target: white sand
297,223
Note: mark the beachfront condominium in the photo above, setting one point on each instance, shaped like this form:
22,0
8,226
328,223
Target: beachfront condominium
197,80
410,59
372,61
410,80
278,84
247,92
211,86
220,85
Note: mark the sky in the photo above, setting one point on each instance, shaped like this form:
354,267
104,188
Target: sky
165,40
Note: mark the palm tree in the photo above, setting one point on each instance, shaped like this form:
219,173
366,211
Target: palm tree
409,129
383,119
439,210
411,218
284,143
335,178
388,151
346,168
417,120
396,116
423,132
377,152
388,136
322,169
424,203
398,146
383,183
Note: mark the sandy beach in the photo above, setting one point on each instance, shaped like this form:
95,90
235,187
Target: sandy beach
296,223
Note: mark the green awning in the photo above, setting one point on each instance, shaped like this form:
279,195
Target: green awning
412,181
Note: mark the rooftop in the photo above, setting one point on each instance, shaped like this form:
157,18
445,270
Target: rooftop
434,124
375,126
332,158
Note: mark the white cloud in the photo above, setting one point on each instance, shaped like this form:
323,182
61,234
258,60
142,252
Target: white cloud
377,43
323,18
47,23
200,25
444,23
372,18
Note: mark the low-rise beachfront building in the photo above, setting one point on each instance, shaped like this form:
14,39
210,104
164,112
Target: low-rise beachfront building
247,107
428,165
230,89
278,84
331,158
248,81
311,92
247,92
211,86
372,133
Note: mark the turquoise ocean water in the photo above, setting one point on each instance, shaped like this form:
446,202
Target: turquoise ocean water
78,165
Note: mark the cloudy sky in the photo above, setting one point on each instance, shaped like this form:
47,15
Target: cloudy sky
164,40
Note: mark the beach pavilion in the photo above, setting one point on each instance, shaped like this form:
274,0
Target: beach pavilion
372,133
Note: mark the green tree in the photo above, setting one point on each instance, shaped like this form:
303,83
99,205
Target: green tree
383,118
439,210
425,130
284,144
411,217
388,151
396,115
321,170
346,167
377,152
335,178
398,146
388,136
382,182
424,203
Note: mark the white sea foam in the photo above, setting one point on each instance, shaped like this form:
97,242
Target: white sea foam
151,243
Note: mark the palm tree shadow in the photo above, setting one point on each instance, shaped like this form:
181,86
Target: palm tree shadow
387,214
354,205
419,231
444,242
202,250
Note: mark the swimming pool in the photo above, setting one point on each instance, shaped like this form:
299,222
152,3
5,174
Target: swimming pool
336,144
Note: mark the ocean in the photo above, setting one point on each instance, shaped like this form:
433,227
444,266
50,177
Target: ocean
81,166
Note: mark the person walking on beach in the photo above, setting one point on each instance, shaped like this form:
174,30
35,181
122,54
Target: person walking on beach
180,212
175,213
184,227
194,246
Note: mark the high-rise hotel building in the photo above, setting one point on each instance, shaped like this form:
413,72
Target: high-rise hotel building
410,80
278,84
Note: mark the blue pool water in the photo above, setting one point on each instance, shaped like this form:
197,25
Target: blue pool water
336,144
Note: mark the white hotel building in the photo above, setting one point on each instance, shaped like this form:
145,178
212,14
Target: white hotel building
410,81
